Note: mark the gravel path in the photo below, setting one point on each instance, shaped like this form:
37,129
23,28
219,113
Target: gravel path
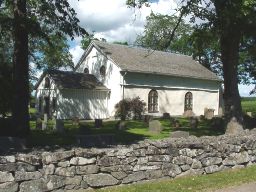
248,187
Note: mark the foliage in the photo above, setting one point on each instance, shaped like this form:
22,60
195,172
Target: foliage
44,25
88,39
123,109
128,108
138,108
157,34
232,23
121,42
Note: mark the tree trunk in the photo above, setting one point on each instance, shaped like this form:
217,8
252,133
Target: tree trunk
229,43
21,69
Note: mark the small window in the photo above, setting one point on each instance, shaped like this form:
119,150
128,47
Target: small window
188,101
103,71
47,82
40,102
46,105
153,101
86,70
54,103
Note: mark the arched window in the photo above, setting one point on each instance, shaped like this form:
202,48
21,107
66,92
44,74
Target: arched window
188,101
153,101
47,82
86,70
103,71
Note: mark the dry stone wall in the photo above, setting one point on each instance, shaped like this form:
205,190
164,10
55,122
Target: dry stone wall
79,168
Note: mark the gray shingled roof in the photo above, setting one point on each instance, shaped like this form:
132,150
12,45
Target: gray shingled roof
142,60
73,80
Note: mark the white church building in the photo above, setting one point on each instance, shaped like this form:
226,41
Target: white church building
107,73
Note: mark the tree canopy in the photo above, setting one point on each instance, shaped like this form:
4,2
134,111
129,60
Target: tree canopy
229,24
39,30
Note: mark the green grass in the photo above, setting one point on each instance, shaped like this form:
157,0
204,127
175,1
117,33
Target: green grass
136,131
192,183
249,105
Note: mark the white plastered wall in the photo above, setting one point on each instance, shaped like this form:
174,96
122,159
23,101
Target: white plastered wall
82,104
113,79
41,91
172,90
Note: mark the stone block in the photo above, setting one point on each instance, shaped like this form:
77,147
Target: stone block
179,134
155,127
154,174
48,158
9,187
7,159
208,113
73,180
82,161
212,169
188,113
234,127
119,175
166,116
38,185
49,169
27,158
68,172
171,170
98,123
85,170
24,176
100,180
55,182
193,122
182,160
211,161
237,158
121,125
134,177
6,177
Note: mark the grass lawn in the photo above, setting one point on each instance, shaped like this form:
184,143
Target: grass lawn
136,131
249,105
192,183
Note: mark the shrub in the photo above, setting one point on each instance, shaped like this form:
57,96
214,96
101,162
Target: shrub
128,108
138,107
123,109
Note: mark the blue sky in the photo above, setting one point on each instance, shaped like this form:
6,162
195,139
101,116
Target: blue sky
114,21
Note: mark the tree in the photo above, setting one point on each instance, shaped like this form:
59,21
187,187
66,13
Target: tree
35,19
157,33
6,81
231,21
88,39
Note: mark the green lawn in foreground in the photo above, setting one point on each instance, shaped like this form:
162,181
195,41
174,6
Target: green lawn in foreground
192,183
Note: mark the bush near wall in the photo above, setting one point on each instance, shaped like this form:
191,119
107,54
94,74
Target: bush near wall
79,168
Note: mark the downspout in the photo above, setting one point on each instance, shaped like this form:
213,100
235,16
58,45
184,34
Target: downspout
123,82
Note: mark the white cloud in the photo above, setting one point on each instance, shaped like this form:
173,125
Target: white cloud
244,90
113,19
76,52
